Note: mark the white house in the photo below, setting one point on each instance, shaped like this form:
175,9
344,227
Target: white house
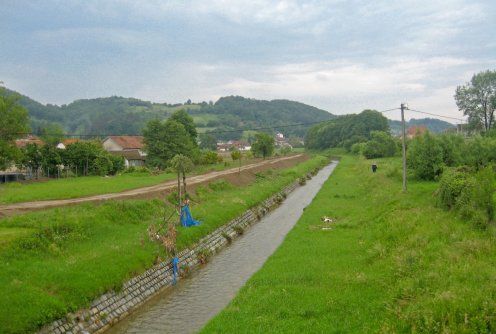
128,147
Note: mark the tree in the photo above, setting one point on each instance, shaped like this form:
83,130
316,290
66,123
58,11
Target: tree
164,140
32,157
13,122
87,157
346,130
381,145
50,159
425,156
52,133
263,145
181,164
236,155
187,121
477,99
208,142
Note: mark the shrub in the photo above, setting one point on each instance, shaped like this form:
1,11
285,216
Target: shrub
210,158
219,185
425,157
472,195
451,185
357,148
203,255
381,145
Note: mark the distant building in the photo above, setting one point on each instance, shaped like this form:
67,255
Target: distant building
63,145
280,141
240,145
415,131
29,139
128,147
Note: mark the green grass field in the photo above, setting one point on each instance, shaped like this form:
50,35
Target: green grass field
391,263
75,187
58,260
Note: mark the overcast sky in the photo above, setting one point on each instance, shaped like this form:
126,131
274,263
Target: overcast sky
341,56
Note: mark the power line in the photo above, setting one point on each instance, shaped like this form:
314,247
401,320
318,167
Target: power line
240,130
432,114
382,111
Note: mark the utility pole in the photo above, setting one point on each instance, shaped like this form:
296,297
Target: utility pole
403,107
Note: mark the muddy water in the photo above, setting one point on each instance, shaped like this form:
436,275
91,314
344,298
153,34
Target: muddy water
189,305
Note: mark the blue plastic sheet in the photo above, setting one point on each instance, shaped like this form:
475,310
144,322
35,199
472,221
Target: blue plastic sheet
175,269
186,219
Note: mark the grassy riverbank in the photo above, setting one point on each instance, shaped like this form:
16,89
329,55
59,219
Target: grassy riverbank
391,263
59,260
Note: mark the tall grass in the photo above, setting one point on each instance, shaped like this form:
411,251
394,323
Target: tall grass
391,263
59,260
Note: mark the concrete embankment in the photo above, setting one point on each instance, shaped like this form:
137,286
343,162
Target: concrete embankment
114,306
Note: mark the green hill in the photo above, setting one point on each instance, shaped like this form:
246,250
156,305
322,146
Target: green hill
100,116
230,117
119,115
238,113
432,124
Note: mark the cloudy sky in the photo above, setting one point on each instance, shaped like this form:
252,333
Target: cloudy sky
341,56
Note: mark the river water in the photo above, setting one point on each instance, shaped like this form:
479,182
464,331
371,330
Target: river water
188,306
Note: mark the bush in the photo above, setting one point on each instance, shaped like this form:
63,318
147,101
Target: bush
451,185
357,148
381,145
472,195
210,158
425,157
219,185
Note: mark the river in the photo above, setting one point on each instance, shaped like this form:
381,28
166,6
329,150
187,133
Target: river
188,306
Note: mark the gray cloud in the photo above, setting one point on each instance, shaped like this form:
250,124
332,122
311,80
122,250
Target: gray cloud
337,55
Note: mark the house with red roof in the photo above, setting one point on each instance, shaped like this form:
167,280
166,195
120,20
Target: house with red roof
128,147
63,145
415,131
29,139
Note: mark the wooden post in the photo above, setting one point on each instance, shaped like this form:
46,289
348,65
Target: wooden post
179,194
184,183
403,107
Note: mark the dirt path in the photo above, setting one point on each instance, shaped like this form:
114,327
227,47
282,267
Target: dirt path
233,175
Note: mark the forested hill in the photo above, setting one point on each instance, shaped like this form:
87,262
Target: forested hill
109,115
432,124
120,115
236,112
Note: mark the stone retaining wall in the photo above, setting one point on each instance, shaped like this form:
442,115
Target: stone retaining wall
113,306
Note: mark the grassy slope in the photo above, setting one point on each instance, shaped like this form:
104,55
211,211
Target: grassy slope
392,263
62,258
91,185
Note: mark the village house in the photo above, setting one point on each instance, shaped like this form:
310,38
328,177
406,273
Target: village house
240,145
29,139
415,131
280,141
63,145
128,147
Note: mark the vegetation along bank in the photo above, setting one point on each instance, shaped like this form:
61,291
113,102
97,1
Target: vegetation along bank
388,262
58,260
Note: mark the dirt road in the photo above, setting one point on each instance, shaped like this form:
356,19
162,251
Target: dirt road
235,175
